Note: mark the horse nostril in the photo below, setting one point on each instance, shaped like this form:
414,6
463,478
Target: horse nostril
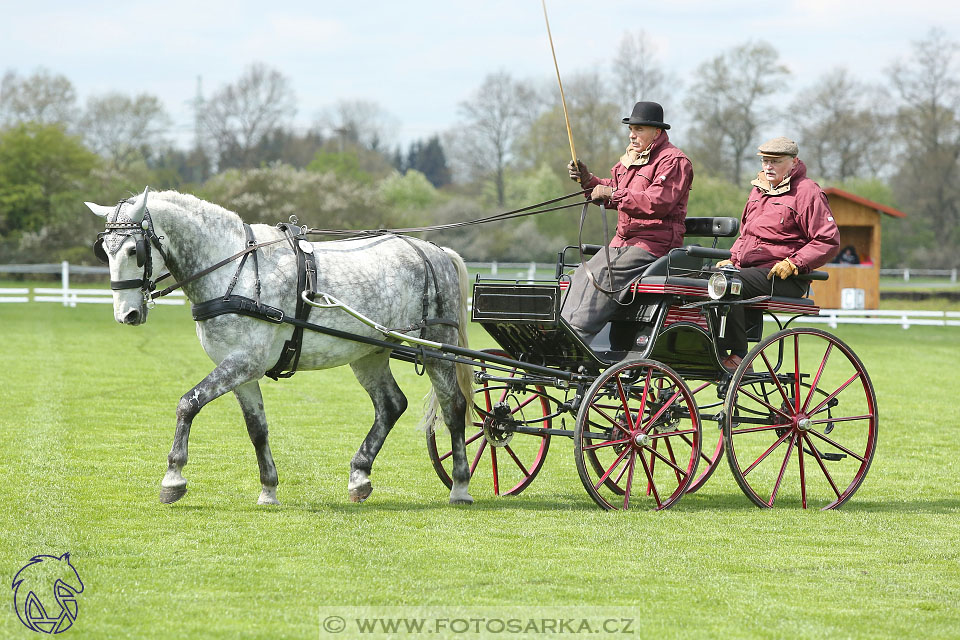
132,317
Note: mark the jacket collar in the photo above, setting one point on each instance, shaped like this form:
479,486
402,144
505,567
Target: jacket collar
761,183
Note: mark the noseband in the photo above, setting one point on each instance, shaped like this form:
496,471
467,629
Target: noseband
146,239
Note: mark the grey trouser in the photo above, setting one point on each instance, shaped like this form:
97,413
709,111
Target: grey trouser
755,283
585,307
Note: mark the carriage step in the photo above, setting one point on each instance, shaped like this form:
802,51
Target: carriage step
827,455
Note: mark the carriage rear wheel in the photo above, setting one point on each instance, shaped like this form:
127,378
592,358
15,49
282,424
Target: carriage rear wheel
508,460
804,431
637,437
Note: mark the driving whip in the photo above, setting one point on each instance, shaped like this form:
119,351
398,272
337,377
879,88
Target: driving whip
563,101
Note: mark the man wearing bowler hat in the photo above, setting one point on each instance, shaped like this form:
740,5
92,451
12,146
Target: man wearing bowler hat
648,187
786,228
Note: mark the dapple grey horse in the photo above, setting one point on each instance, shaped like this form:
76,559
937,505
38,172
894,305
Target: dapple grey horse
382,277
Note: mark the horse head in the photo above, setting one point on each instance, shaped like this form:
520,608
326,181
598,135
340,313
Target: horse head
126,247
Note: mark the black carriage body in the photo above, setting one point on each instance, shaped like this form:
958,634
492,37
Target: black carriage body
653,322
525,320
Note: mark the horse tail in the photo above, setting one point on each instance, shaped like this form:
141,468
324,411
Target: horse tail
464,371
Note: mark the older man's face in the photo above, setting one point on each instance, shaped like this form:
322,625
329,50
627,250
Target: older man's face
641,136
776,168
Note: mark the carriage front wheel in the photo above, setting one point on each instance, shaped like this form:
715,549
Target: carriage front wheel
802,426
508,460
637,437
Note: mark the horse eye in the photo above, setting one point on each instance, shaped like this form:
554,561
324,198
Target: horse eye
132,251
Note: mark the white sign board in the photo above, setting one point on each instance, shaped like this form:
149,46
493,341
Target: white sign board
851,298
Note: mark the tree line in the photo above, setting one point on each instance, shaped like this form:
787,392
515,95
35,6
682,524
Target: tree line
897,143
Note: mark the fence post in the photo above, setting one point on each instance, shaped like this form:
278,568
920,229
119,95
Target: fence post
532,271
493,268
65,281
953,275
906,275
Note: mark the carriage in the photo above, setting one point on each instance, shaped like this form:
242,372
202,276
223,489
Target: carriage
653,411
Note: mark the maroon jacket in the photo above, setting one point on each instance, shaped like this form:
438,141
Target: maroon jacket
792,221
651,199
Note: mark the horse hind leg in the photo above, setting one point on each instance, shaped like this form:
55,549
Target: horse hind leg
229,374
389,403
453,406
251,403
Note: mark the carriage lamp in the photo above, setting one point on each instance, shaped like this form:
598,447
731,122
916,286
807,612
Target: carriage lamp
725,283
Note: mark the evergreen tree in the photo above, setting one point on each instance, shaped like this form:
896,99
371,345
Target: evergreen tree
429,160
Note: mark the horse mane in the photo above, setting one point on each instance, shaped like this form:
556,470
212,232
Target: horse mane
207,211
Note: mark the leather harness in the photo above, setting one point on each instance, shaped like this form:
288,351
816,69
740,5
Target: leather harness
286,365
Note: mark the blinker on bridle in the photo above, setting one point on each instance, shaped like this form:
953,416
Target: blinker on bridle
146,238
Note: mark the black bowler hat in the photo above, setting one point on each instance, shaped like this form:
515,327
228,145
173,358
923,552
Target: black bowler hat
649,114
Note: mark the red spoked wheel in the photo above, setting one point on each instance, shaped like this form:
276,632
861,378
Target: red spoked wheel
637,437
803,432
711,449
507,459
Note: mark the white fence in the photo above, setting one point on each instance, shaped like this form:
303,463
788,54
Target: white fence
63,294
71,297
905,318
906,274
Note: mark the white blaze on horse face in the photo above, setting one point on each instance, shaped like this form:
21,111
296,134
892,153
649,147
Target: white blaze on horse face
128,304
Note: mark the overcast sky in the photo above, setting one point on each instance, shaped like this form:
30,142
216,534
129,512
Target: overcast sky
420,59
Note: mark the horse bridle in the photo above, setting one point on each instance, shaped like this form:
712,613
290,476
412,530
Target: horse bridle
146,240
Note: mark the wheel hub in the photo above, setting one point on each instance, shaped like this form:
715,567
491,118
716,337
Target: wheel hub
494,427
641,439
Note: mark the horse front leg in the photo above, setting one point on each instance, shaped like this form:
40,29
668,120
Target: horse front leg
389,403
228,375
251,403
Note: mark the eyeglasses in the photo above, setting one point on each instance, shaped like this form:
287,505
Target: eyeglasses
779,160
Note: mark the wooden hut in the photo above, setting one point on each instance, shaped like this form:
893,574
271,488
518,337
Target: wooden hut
854,284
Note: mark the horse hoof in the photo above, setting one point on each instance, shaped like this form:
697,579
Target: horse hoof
462,500
169,495
361,492
268,497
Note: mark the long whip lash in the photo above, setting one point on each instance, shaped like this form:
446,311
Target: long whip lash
563,100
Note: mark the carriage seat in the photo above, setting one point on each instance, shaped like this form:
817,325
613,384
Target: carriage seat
681,269
676,259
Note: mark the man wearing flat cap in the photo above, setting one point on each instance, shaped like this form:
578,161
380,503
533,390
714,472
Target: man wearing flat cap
649,188
786,228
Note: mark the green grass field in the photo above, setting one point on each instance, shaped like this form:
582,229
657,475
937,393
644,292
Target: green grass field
87,421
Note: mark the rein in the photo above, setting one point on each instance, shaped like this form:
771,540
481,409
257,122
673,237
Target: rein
248,249
149,239
506,215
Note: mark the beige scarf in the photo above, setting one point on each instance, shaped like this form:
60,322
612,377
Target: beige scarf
631,157
764,185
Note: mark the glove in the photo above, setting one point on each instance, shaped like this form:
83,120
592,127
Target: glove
724,263
578,172
784,269
601,192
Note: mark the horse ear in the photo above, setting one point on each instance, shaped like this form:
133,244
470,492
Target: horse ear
139,206
99,209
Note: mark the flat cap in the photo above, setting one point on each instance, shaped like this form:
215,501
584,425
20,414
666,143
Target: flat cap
779,147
